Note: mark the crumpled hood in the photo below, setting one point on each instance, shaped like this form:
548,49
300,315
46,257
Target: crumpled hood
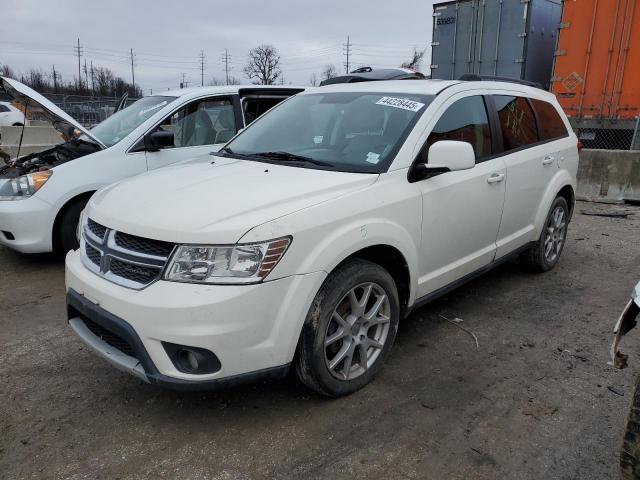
207,203
58,117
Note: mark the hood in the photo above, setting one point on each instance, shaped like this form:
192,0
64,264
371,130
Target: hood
205,203
58,117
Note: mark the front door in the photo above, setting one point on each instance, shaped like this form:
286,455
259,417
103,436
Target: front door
200,127
461,209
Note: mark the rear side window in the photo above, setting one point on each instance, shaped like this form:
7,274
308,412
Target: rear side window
517,121
550,125
466,121
4,109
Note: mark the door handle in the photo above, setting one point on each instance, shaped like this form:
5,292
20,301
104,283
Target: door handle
495,178
548,160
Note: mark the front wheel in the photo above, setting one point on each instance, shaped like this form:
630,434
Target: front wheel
349,329
66,235
544,255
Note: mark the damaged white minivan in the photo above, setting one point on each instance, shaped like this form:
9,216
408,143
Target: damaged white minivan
42,194
309,236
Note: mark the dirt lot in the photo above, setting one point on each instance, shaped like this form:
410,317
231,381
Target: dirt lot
532,402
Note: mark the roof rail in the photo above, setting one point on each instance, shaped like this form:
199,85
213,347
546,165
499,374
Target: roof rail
474,77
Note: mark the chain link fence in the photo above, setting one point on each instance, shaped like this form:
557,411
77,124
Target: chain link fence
87,110
608,135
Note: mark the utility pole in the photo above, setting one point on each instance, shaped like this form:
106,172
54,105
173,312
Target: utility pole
347,51
201,68
93,80
133,77
184,83
86,74
78,52
225,58
55,79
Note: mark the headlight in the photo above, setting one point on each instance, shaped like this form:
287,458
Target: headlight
247,263
24,186
82,220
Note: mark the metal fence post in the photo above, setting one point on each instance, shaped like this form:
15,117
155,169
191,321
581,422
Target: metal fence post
635,140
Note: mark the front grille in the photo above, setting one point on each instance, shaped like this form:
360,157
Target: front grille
95,228
145,246
93,254
132,272
122,258
109,337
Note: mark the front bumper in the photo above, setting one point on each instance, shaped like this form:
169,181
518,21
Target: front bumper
252,329
30,222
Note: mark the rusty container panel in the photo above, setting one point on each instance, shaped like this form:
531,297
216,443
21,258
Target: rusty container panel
597,61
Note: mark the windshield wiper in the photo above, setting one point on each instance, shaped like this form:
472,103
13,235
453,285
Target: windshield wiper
292,157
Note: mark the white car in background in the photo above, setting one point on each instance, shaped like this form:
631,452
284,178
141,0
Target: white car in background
42,194
306,239
10,116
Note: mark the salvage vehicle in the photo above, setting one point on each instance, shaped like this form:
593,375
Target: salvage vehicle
305,240
630,454
42,194
10,116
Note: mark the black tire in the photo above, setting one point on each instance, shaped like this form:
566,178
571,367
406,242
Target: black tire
66,231
312,363
535,258
630,454
17,125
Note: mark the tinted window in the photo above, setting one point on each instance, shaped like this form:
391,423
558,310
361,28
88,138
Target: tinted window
3,109
466,121
550,125
517,121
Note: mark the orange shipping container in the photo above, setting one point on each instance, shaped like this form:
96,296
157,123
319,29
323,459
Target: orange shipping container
597,63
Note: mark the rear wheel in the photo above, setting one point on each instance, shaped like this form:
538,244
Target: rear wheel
66,235
544,255
630,454
349,329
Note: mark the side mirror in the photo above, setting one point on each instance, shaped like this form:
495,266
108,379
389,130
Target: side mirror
158,140
444,156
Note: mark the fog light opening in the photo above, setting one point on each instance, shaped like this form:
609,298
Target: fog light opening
192,360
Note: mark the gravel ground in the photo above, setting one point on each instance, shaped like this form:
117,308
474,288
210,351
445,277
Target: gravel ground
535,400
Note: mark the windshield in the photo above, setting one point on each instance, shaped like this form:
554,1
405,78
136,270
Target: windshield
345,131
122,123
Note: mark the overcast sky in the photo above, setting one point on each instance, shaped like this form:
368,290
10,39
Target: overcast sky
167,37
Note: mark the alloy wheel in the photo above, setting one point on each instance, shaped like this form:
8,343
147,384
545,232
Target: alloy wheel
357,331
555,234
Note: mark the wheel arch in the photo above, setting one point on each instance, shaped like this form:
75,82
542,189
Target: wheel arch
85,196
393,261
561,185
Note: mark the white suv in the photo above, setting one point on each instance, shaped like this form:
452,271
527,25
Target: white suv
10,116
42,194
306,240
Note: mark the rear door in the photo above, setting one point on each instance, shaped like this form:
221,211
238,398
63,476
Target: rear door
200,127
531,158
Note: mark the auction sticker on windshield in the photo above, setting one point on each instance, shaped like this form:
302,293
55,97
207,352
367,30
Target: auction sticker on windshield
402,103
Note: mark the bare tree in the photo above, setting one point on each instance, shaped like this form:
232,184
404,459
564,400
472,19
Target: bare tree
329,71
263,65
416,60
313,79
7,71
215,81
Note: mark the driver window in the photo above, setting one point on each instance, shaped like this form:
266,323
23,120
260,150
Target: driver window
466,121
204,122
